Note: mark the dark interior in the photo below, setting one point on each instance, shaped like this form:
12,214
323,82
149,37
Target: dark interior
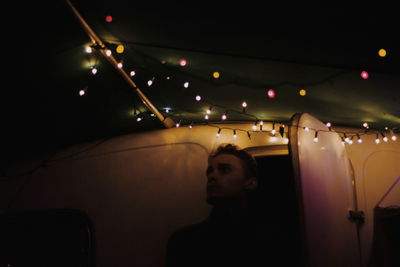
279,206
59,238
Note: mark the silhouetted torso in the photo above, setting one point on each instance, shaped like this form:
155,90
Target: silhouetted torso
221,241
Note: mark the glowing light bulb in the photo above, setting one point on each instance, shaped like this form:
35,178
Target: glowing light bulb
364,75
149,82
186,84
109,18
216,74
365,125
244,104
223,117
108,52
316,137
206,117
88,49
234,134
120,49
328,124
132,73
394,138
306,129
81,92
271,93
254,127
219,132
138,119
182,62
302,92
359,140
377,139
120,65
198,98
382,52
94,70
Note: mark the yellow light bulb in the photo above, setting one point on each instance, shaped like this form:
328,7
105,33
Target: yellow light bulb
120,49
382,52
302,92
216,74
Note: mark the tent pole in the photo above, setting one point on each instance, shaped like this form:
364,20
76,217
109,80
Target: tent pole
168,122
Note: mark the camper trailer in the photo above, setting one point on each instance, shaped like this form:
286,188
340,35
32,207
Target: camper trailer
116,202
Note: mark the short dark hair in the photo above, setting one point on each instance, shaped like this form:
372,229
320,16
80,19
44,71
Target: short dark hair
248,161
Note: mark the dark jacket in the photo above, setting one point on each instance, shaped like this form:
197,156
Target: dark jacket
219,241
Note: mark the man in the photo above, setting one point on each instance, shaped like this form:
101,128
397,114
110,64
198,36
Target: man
232,235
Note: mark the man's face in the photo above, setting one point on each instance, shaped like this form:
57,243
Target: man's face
225,178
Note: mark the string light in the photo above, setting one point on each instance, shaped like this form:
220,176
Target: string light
198,98
219,132
182,62
382,52
108,52
234,133
302,92
271,93
223,117
94,70
186,84
120,49
216,74
329,125
385,139
120,65
88,49
377,139
132,73
273,131
150,82
254,127
208,111
244,105
359,140
364,75
109,18
261,125
316,137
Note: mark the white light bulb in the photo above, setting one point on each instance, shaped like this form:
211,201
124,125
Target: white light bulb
223,117
81,92
186,84
198,98
88,49
132,73
108,52
94,70
394,137
119,65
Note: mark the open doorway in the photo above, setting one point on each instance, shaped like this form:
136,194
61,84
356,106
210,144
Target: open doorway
278,204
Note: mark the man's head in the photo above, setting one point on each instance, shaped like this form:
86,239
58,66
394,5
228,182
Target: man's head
231,174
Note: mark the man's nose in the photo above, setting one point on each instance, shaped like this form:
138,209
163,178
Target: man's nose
211,179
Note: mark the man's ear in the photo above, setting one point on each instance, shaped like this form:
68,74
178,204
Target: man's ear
251,183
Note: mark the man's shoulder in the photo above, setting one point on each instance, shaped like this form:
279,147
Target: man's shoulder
190,230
